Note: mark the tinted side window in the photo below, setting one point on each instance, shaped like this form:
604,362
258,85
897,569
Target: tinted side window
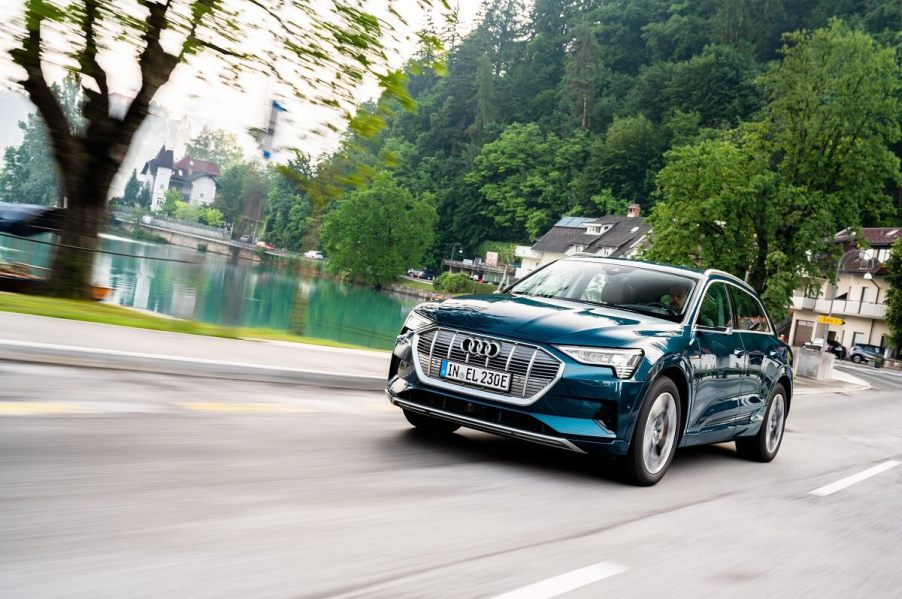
749,313
715,311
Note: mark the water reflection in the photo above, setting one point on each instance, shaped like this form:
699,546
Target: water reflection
210,288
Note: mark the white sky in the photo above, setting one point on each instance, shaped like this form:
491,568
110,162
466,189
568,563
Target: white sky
227,108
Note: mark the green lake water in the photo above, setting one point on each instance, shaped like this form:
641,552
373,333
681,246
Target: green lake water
183,283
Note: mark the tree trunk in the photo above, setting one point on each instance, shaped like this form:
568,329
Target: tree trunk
73,263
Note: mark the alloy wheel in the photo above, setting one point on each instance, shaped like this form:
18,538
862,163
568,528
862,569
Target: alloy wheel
775,424
660,433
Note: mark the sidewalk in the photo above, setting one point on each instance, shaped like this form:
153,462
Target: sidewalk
840,383
39,339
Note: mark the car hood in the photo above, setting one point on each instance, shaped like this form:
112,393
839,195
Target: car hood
549,320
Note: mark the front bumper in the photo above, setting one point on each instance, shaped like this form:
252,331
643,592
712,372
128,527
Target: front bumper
587,410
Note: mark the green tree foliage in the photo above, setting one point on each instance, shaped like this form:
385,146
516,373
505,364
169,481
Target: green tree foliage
132,191
288,206
143,199
582,76
171,203
524,179
29,175
374,235
216,146
764,201
185,211
625,161
894,294
622,82
210,217
318,51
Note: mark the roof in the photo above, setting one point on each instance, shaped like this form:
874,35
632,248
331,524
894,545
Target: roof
162,159
573,221
558,239
875,236
192,166
619,237
622,233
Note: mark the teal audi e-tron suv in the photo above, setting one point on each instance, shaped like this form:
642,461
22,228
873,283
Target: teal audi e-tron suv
600,355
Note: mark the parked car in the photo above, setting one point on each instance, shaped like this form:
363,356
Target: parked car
863,352
601,356
833,346
265,245
416,273
245,239
314,254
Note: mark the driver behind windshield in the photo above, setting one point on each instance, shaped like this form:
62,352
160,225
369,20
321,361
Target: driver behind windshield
676,298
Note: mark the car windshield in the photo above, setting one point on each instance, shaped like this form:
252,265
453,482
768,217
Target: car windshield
621,286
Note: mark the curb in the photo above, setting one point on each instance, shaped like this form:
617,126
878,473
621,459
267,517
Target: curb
84,357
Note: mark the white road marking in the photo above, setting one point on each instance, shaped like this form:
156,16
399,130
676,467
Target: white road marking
565,583
870,370
854,479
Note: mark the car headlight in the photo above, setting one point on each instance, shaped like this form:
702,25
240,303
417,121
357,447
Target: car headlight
623,361
416,320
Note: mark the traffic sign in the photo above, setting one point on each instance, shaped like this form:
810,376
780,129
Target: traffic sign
831,320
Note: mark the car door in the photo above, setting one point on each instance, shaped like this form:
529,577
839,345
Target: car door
761,349
716,356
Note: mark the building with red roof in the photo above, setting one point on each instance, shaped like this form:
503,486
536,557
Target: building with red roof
193,178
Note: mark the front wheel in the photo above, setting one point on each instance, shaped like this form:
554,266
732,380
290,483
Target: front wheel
856,359
764,446
655,435
429,424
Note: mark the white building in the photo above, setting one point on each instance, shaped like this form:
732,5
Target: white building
194,179
858,298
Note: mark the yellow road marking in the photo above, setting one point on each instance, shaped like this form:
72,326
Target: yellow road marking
244,408
34,408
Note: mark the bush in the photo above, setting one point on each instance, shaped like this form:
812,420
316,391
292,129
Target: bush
453,282
202,247
210,217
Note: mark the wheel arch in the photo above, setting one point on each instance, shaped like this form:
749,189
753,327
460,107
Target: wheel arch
679,378
785,379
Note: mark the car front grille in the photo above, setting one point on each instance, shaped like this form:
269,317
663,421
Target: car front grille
533,369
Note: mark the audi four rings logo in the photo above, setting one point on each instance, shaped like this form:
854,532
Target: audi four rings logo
480,347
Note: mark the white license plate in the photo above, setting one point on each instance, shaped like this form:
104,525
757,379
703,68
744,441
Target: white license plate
476,375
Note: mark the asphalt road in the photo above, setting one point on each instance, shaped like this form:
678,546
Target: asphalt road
117,484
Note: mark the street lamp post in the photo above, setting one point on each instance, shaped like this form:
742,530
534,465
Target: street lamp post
453,246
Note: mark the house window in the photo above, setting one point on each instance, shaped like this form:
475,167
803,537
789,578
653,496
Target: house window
203,194
857,338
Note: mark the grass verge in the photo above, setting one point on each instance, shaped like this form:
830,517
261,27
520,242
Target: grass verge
116,315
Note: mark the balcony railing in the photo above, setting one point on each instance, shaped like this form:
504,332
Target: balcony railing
840,307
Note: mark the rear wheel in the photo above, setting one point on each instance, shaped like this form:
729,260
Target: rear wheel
764,446
655,435
430,424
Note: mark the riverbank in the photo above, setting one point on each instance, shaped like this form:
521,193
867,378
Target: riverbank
99,313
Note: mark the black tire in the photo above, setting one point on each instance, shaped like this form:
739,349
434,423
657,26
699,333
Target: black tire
762,447
857,359
633,465
429,424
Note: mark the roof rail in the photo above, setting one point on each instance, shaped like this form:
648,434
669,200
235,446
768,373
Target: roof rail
723,273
